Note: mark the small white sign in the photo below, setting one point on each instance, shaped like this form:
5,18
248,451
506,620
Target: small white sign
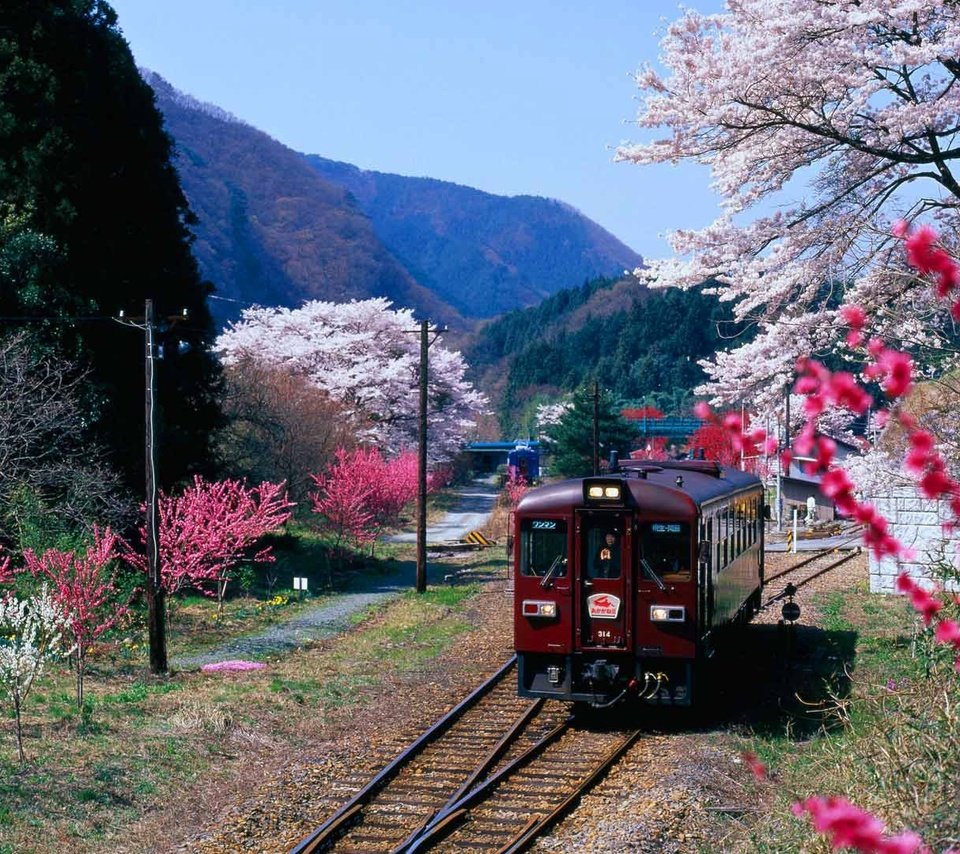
299,583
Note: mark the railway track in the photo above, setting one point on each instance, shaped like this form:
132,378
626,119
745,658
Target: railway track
490,776
817,564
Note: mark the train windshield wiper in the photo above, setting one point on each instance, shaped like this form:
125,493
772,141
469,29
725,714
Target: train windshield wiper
649,570
558,561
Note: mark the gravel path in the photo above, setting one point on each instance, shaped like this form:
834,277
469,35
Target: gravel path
323,621
474,505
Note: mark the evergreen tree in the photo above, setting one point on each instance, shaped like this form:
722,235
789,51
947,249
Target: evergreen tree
570,441
85,168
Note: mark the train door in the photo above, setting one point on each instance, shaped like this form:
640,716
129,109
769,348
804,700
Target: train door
604,577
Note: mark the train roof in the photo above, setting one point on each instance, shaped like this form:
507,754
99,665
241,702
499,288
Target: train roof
676,487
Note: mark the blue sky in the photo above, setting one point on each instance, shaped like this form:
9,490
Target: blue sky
528,96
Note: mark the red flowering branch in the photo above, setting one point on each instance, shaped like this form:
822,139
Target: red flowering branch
515,488
84,588
846,825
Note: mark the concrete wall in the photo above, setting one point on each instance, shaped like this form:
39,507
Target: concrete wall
917,523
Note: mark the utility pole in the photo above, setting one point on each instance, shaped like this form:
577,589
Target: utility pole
422,464
156,608
425,342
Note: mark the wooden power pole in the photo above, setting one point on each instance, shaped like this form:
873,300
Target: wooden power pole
156,608
422,464
596,428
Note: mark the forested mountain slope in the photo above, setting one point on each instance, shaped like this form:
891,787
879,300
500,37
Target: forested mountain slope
271,230
641,344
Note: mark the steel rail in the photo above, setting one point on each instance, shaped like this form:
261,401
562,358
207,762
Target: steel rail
815,556
538,825
482,767
446,820
336,822
810,578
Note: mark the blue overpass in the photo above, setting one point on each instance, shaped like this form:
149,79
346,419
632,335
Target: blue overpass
668,428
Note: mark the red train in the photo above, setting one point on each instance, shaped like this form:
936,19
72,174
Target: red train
625,582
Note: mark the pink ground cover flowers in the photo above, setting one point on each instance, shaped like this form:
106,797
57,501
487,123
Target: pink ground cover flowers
234,666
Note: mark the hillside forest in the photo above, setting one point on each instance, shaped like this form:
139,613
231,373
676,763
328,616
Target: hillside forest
641,345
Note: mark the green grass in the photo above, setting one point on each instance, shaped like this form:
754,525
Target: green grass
888,740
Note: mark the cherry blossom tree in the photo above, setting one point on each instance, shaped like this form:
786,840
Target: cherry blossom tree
365,356
850,108
32,630
209,528
84,589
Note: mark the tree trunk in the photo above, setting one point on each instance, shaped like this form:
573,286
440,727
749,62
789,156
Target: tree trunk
16,709
81,664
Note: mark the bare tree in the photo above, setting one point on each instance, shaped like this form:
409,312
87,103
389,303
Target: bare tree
49,468
280,426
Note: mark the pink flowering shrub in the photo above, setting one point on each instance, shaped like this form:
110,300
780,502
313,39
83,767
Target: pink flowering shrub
515,488
361,493
84,588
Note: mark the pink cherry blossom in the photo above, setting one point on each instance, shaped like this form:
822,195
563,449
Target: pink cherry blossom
366,356
848,826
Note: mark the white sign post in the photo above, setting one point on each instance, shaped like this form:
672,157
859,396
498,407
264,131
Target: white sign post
299,583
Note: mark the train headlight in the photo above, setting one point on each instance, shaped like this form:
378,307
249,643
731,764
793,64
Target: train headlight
667,613
603,491
538,608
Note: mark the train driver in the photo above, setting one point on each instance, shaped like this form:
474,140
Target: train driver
606,563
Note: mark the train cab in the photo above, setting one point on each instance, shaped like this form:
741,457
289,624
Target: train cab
616,582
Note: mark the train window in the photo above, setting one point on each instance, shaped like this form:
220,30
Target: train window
543,547
665,547
602,556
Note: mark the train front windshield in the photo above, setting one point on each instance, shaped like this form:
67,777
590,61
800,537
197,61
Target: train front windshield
543,547
665,547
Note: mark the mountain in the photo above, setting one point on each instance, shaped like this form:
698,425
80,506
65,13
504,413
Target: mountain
277,227
484,254
269,229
